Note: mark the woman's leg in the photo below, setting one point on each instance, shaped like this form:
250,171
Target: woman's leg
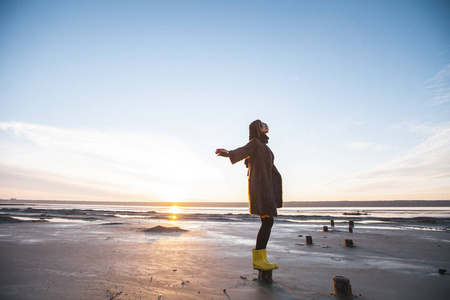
259,254
264,232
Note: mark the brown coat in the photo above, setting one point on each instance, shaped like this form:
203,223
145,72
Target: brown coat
264,180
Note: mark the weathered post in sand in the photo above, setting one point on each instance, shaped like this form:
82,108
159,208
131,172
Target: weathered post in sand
332,223
325,228
265,276
309,240
342,287
348,243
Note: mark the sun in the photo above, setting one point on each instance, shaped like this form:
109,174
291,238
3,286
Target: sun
175,209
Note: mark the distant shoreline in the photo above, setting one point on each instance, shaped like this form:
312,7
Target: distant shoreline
378,203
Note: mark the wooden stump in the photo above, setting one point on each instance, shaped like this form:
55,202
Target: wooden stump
350,229
342,287
309,240
332,223
325,228
349,243
265,276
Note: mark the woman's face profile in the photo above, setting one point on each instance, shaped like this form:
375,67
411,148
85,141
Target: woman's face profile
264,128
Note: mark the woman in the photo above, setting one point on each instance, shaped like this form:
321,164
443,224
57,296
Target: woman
264,186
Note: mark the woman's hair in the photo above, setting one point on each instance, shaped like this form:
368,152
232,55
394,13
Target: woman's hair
254,129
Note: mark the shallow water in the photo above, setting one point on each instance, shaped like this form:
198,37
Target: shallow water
391,218
378,212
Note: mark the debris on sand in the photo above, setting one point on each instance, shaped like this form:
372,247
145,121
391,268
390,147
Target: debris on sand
110,295
184,283
164,229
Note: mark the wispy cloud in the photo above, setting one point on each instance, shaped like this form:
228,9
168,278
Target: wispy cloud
421,171
439,87
367,146
122,163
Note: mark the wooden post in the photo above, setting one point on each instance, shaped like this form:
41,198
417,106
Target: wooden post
265,276
349,243
351,223
332,223
309,240
325,228
350,229
342,287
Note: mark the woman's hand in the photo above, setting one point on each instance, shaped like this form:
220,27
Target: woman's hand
222,152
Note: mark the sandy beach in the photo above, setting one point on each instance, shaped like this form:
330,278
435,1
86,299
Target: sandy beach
72,254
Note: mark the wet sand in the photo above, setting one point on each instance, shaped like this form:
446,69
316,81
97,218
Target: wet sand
98,256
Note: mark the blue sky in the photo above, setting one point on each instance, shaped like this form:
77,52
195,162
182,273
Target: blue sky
127,100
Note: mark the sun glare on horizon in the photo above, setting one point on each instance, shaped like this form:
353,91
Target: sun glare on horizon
175,209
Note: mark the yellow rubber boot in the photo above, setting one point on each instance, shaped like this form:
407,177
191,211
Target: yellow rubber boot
265,258
259,262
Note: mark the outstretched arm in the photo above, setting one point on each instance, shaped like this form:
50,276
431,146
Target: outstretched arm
222,152
239,153
243,152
